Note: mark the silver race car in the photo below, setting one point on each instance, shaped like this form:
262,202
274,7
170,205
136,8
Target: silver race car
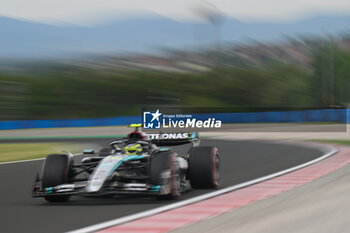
137,164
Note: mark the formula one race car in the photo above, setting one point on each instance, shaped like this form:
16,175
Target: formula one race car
132,165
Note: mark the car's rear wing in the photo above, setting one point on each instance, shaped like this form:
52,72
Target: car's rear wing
173,139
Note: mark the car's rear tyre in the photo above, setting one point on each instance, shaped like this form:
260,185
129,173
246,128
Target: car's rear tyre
204,167
55,172
105,152
161,162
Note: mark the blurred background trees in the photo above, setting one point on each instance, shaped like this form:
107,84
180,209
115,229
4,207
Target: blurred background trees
49,91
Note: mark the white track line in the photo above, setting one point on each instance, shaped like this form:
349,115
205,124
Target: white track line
21,161
28,160
38,159
147,213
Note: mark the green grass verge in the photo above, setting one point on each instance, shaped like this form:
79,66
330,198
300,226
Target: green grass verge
23,151
335,141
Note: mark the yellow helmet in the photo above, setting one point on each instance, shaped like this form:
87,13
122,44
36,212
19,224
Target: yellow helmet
133,149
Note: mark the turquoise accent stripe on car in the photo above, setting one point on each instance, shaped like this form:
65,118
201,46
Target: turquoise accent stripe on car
155,188
163,149
131,157
49,190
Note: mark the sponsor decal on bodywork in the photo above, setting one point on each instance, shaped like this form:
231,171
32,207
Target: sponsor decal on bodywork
153,136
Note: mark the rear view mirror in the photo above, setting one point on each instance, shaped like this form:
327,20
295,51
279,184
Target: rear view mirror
89,151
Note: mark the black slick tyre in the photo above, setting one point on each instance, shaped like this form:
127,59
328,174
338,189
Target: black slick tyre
55,172
204,167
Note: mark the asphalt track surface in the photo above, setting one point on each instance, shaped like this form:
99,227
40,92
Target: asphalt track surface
19,212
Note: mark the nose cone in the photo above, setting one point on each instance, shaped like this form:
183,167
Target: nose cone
102,172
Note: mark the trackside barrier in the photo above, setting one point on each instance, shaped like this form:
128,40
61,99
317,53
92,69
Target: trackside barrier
322,115
32,124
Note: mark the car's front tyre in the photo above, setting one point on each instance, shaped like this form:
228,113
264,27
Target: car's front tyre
56,172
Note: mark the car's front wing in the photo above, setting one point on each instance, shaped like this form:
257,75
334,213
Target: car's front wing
79,188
